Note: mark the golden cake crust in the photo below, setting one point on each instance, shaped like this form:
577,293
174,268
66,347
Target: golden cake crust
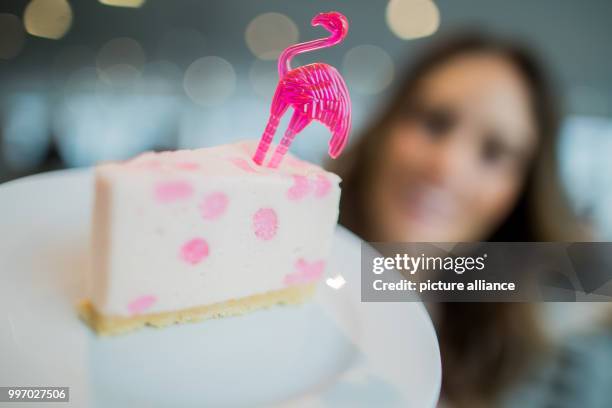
111,325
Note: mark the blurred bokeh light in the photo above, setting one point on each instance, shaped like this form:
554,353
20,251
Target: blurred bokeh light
210,81
48,18
368,68
122,51
409,19
123,3
267,35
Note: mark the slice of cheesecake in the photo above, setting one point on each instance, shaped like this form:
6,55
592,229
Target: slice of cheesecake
194,234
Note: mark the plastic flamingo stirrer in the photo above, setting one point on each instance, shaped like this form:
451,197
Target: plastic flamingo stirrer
315,91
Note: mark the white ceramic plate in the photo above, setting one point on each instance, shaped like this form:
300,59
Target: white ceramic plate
333,351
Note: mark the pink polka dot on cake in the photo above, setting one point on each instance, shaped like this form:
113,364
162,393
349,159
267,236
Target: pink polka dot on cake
305,272
194,251
300,188
140,304
322,186
170,191
265,223
214,205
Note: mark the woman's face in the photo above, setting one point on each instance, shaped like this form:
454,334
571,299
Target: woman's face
453,164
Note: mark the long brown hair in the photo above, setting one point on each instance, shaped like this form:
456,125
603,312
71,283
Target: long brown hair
483,346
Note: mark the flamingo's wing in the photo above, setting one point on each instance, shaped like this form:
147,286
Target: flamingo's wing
320,93
342,125
335,107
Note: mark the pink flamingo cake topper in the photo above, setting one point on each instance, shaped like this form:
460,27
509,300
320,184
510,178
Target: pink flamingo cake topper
315,91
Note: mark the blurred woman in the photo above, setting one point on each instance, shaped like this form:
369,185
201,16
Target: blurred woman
464,152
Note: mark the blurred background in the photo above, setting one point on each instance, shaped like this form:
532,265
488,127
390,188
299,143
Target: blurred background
90,80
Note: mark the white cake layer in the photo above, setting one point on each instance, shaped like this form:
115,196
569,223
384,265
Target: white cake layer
180,229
